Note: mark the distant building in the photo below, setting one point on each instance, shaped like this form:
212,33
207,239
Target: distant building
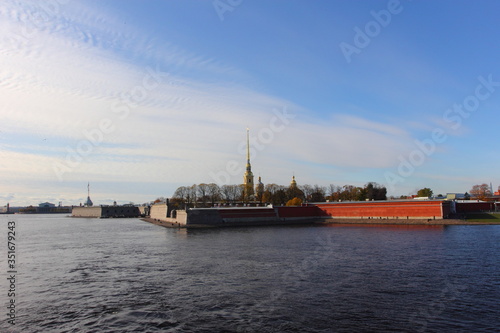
46,205
455,196
89,202
5,209
259,190
46,208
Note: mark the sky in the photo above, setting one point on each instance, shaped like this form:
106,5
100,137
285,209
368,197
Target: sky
138,98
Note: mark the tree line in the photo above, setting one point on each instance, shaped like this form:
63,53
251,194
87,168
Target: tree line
207,195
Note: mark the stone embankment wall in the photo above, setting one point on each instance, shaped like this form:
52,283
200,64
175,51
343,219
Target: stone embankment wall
159,212
86,211
319,212
106,211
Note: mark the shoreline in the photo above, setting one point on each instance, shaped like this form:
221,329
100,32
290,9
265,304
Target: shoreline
441,222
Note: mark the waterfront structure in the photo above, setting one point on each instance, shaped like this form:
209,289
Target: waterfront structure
50,208
109,211
6,209
46,205
89,202
382,211
248,190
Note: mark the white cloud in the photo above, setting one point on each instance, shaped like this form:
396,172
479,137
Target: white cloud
63,80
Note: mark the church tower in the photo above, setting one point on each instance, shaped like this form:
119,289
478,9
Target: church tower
248,177
259,190
89,202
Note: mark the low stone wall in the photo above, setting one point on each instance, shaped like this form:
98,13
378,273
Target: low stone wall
158,212
87,211
106,211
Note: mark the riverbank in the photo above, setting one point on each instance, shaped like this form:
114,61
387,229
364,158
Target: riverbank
336,222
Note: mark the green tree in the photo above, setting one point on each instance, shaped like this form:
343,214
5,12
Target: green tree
424,192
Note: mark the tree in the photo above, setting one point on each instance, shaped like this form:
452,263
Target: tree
230,193
191,196
269,191
307,190
294,202
181,193
213,193
202,193
159,200
279,197
481,192
424,192
294,192
466,196
318,193
350,193
333,192
180,197
375,191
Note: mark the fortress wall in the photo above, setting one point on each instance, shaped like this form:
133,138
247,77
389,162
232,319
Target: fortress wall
120,211
384,209
294,212
469,207
158,212
205,216
181,217
144,210
86,211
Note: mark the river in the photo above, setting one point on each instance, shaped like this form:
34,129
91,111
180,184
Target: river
126,275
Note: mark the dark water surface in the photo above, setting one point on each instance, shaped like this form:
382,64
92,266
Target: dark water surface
126,275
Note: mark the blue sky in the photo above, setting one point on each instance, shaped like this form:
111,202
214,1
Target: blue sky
140,97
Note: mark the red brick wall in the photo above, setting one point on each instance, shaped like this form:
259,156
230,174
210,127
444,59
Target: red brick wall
389,209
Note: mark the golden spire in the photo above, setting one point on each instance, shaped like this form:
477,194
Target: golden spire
248,176
248,148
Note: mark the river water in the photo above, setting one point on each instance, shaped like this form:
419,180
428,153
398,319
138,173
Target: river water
126,275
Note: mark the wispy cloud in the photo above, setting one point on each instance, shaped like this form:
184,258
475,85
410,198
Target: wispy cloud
75,67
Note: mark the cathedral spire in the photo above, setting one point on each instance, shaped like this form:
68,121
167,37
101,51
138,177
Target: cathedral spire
248,149
248,176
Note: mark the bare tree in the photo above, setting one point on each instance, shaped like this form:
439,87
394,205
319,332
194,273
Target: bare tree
202,193
307,190
225,191
181,193
318,193
214,193
232,193
192,195
480,192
